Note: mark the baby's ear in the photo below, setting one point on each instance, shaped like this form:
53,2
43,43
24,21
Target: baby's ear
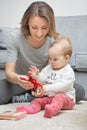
67,57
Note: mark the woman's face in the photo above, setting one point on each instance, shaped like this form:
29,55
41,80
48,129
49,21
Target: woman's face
38,27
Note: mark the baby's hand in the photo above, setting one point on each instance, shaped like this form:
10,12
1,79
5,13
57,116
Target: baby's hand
39,92
34,70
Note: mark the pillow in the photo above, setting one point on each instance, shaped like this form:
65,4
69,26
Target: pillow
78,61
2,58
3,48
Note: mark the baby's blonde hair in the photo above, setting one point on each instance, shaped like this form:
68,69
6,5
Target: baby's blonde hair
65,44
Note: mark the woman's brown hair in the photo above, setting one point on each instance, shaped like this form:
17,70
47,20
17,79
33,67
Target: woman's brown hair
41,9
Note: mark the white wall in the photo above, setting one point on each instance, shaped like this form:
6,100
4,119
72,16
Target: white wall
11,10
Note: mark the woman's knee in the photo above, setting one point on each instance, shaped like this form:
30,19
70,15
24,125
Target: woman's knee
80,92
8,90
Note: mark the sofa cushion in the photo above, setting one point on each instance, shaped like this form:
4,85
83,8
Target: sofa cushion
81,61
3,49
75,27
78,61
3,45
2,58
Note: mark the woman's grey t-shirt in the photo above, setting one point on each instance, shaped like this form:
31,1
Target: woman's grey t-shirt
21,52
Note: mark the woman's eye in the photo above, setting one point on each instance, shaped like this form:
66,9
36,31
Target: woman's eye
44,28
34,28
37,28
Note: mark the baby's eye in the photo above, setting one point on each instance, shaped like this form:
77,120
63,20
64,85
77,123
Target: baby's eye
55,59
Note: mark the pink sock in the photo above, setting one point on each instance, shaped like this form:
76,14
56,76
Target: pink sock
28,109
50,111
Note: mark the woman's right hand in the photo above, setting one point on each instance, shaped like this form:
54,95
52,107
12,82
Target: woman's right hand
24,82
15,78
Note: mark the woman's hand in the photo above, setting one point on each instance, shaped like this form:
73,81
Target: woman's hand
24,82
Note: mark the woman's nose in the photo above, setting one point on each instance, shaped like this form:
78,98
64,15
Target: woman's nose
39,33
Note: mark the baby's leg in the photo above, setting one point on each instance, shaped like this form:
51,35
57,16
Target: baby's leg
35,106
60,101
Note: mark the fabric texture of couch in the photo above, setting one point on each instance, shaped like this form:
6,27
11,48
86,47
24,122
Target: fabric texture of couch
76,28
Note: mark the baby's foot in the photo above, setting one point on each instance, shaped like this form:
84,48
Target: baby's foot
51,110
48,111
29,110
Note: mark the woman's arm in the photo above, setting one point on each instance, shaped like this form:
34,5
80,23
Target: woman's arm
10,72
16,78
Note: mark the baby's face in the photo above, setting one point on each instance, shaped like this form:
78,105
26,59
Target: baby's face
56,58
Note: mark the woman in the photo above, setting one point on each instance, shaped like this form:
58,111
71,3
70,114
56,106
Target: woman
28,46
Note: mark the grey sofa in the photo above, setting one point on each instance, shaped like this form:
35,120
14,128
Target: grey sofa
73,26
76,28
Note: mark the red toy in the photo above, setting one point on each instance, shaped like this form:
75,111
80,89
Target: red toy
33,81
